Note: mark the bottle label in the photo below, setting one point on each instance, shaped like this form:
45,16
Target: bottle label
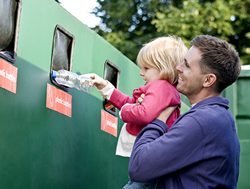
59,100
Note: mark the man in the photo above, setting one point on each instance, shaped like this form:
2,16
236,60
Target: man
201,150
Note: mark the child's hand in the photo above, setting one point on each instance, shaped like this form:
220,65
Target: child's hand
97,81
164,115
140,99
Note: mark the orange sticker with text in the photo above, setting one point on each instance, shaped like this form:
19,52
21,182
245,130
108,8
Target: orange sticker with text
59,100
109,123
8,76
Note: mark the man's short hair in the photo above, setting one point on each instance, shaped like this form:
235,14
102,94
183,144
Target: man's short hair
219,58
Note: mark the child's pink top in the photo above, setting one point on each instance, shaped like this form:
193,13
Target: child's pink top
159,94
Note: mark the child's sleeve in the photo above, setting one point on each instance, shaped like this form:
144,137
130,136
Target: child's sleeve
118,99
107,91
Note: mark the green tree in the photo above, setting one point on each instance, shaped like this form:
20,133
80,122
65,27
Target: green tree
129,24
227,19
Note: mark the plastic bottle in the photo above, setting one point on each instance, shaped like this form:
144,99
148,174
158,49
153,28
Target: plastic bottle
71,79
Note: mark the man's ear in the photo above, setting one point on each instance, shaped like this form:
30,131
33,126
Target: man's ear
210,80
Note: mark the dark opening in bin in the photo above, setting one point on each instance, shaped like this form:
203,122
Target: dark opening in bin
62,52
111,73
9,21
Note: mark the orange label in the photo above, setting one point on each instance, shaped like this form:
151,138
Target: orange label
8,76
109,123
59,100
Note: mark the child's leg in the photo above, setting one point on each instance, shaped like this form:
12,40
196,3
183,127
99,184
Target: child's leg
125,143
139,185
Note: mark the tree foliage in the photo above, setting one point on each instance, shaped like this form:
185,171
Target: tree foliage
131,23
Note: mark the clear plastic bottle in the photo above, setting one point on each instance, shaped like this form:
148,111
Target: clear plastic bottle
71,79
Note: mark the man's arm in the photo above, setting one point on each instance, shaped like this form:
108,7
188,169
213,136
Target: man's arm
157,152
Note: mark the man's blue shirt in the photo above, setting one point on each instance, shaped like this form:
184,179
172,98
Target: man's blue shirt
200,151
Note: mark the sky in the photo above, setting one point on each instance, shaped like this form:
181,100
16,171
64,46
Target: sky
81,9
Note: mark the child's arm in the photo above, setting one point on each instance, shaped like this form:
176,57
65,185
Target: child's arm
109,92
118,99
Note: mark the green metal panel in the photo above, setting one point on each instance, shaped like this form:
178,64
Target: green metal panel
244,182
243,93
239,103
243,123
41,148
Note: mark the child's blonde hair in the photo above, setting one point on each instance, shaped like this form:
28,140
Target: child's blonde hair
163,53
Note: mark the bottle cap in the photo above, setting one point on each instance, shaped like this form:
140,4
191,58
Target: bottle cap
54,74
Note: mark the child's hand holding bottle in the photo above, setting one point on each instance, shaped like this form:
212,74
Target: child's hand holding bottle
97,81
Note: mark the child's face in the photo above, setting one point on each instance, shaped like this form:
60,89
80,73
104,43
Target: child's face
149,74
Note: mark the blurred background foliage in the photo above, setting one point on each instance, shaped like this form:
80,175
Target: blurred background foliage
128,24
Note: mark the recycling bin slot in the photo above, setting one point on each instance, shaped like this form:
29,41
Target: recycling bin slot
111,73
9,22
61,52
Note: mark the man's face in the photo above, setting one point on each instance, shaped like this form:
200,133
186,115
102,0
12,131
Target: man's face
191,79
